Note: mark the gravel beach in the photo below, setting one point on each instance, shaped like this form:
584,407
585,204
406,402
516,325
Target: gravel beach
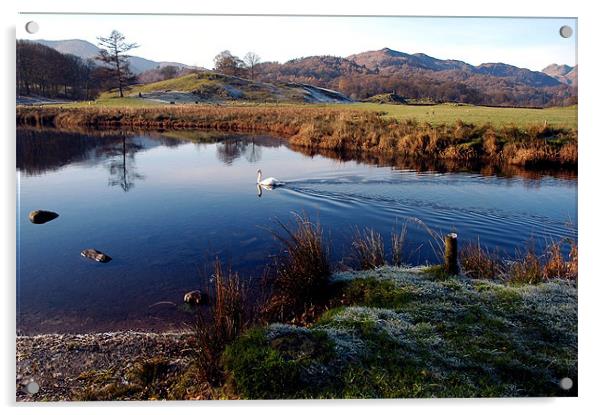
65,366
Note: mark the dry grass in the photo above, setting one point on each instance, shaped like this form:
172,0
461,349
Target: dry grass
556,266
338,129
525,268
477,262
225,319
437,241
301,271
397,243
368,249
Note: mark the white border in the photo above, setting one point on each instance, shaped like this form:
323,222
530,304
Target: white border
589,196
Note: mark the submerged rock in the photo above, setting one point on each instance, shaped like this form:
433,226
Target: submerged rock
196,297
42,216
95,255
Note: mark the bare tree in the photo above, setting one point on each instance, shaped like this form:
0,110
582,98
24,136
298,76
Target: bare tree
121,172
252,60
113,53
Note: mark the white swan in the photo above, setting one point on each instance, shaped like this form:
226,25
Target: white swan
269,182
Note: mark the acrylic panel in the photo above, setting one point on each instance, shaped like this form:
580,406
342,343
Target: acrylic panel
295,207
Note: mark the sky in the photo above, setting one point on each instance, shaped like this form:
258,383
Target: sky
531,43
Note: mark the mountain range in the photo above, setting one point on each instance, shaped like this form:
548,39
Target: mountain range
390,61
87,50
418,75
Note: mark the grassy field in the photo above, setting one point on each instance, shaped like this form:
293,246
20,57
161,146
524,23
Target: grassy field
563,117
187,83
442,114
403,334
111,102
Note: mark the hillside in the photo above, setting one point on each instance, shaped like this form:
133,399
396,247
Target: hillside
213,87
563,73
419,76
389,60
87,50
390,98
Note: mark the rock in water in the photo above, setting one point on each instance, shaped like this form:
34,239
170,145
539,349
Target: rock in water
96,255
42,216
196,297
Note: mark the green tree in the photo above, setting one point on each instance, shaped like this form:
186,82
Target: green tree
228,64
169,71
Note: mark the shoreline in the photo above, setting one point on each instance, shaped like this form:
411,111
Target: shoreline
336,129
139,365
65,366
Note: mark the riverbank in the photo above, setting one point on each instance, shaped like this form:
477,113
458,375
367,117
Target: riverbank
393,333
337,129
402,333
102,366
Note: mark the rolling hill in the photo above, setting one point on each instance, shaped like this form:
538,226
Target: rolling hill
205,86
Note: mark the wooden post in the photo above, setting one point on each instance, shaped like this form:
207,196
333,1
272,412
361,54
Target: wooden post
451,254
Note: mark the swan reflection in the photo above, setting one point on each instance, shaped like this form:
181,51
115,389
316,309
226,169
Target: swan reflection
260,188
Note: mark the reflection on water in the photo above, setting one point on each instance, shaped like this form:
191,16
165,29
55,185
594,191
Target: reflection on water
230,149
174,200
42,150
122,167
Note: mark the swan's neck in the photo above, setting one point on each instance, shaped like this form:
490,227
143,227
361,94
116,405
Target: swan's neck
258,176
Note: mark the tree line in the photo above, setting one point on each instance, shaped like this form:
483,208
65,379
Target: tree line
44,71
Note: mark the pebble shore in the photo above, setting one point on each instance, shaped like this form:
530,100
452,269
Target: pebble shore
65,364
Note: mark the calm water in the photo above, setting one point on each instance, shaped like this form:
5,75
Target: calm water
164,204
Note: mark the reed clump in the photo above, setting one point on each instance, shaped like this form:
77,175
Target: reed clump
336,129
478,262
226,317
527,267
368,249
398,239
300,272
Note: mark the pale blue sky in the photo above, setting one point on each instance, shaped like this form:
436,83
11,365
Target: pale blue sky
525,42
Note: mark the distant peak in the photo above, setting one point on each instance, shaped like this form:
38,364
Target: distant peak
555,66
390,51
